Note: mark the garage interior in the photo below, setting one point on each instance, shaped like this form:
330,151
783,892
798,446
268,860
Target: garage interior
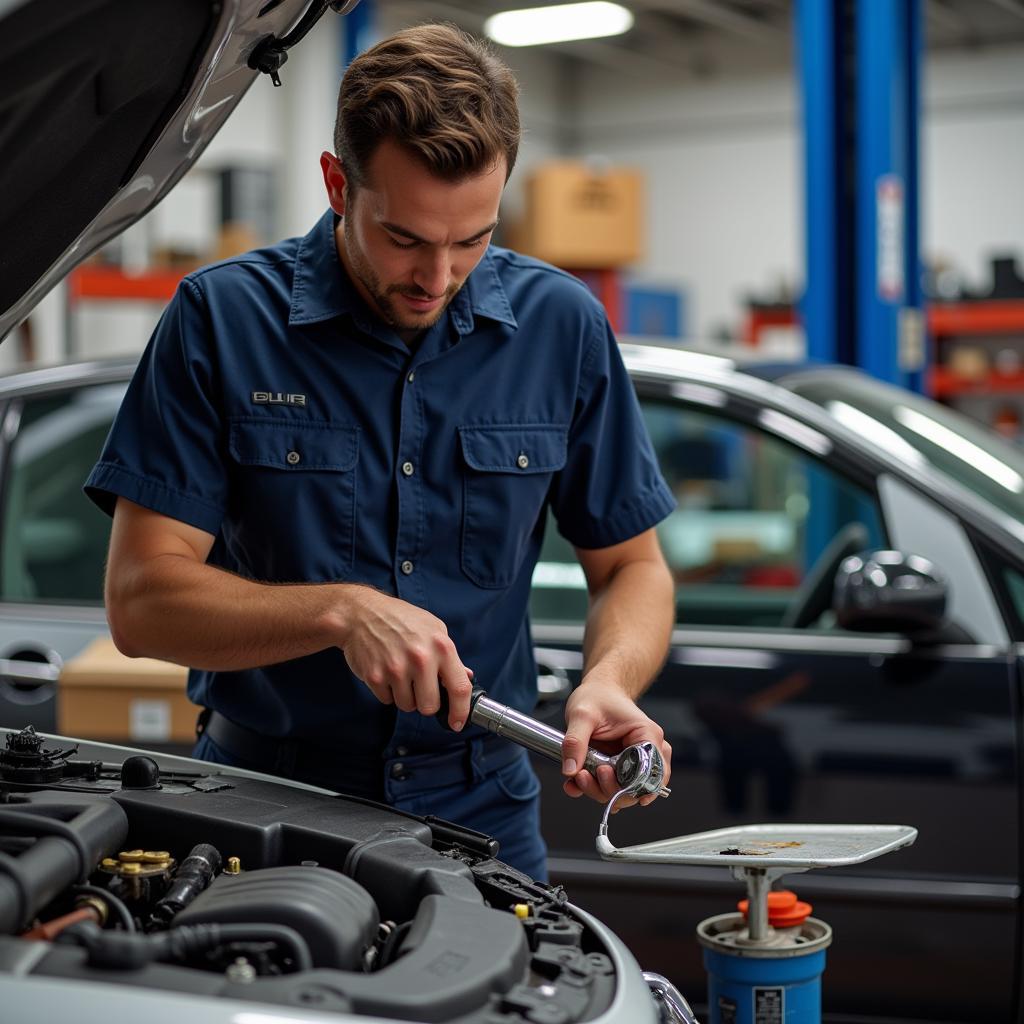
777,185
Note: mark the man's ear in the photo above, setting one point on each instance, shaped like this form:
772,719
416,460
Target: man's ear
334,181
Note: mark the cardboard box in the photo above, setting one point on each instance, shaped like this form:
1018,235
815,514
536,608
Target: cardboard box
102,695
582,218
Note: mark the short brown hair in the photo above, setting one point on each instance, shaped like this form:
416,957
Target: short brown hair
440,93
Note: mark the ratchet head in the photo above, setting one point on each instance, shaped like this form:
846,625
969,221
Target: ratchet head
640,769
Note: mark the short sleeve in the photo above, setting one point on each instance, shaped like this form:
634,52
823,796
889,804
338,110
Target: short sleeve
611,488
165,449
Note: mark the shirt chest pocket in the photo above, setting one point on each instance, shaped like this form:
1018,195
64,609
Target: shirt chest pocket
296,497
507,474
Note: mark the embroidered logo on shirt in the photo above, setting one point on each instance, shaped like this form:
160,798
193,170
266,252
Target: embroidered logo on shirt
277,398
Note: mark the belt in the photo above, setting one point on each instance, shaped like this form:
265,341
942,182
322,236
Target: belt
371,776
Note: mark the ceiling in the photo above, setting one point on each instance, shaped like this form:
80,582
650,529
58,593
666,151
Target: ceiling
705,37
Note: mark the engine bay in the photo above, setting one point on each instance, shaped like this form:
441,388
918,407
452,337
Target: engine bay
168,874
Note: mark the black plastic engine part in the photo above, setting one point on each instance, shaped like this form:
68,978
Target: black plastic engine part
457,961
455,958
337,916
449,834
140,772
73,834
194,874
24,759
551,926
583,985
130,951
401,871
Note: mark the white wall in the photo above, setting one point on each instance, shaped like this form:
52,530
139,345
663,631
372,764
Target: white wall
972,152
723,161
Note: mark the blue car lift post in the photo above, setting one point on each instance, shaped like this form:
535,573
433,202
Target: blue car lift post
859,67
358,31
859,82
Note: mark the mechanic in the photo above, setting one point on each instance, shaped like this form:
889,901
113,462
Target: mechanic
330,475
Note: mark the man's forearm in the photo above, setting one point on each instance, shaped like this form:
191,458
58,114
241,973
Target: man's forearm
629,625
198,615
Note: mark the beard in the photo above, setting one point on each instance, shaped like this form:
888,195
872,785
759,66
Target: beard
382,297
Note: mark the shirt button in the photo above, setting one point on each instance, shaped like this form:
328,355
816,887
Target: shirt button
407,468
523,461
398,771
293,458
411,377
402,751
406,567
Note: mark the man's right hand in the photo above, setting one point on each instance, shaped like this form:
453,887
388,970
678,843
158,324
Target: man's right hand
403,654
164,601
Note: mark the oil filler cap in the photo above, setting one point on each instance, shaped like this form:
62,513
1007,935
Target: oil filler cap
784,909
140,772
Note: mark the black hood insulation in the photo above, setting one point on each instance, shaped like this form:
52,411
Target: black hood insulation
88,87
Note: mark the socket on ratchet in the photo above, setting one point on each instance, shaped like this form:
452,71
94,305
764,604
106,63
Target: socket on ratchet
639,769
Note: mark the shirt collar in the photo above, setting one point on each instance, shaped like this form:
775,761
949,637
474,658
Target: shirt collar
321,288
484,295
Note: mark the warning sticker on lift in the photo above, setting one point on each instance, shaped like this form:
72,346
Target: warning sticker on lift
769,1005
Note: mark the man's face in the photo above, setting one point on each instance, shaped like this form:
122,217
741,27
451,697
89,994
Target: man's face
409,239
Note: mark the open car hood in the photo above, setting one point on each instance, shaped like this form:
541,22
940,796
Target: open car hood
106,104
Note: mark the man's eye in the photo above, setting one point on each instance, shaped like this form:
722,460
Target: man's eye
472,245
402,245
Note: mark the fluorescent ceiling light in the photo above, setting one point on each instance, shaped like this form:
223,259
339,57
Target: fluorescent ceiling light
963,449
534,26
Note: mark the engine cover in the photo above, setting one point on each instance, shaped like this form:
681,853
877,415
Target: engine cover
337,916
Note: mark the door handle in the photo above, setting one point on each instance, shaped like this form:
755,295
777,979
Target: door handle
553,683
28,682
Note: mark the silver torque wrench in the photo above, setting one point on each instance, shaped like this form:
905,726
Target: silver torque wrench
638,769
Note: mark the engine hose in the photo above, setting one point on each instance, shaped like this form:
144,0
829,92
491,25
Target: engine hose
133,951
49,930
115,903
62,852
193,875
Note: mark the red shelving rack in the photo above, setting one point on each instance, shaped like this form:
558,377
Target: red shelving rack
92,281
973,320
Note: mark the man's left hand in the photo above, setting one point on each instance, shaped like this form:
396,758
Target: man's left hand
599,714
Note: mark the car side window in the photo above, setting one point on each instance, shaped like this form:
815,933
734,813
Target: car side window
756,517
54,540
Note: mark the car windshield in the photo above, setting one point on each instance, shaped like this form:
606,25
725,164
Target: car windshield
920,430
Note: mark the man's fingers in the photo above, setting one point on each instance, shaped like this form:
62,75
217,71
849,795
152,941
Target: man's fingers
574,749
425,688
405,697
607,782
666,754
455,680
381,691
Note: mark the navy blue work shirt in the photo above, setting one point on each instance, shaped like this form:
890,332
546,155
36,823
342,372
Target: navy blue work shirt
273,410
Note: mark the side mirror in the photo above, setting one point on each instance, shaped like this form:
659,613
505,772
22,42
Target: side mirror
889,591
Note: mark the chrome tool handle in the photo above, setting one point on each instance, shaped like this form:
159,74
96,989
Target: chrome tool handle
526,731
639,769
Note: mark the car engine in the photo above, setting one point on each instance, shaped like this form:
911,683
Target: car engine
168,874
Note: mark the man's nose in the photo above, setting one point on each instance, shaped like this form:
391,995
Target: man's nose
433,272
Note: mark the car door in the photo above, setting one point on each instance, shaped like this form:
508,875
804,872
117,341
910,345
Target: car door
53,540
776,715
